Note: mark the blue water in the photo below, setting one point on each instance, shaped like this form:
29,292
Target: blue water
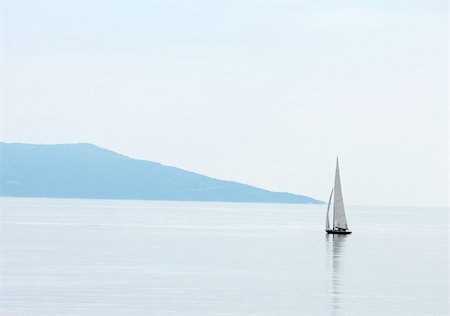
97,257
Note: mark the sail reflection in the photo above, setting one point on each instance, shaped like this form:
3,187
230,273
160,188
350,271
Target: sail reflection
336,243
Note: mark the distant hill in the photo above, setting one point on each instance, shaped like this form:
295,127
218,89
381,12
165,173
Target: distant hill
88,171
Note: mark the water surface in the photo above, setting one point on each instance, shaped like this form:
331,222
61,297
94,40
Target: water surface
97,257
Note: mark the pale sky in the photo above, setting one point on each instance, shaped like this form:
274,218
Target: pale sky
262,92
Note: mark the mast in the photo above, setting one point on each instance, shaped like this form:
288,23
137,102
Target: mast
327,225
339,219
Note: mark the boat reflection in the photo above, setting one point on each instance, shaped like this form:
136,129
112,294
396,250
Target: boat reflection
335,247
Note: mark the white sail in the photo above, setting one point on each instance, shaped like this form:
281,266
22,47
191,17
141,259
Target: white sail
339,220
327,225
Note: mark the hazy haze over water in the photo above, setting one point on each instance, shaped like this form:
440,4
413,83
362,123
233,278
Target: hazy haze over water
265,93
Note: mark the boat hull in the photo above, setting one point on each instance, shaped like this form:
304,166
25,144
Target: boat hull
339,232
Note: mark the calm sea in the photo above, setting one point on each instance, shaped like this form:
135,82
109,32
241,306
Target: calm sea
97,257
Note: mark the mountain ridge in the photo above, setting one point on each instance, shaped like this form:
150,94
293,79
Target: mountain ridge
84,170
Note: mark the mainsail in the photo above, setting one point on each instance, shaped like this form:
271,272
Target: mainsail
339,220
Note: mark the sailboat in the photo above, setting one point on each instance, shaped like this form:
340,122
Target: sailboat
339,220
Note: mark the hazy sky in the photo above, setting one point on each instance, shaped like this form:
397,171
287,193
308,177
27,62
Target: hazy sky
263,92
